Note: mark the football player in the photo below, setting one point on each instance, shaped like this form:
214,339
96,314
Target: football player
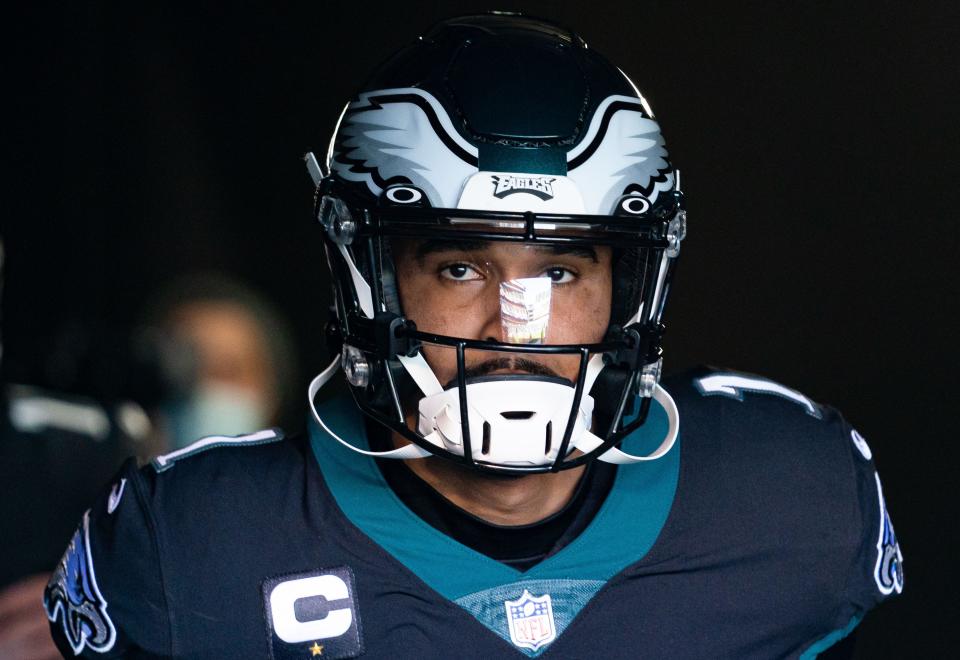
511,477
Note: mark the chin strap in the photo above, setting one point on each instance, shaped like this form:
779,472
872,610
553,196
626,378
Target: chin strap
588,441
423,375
407,451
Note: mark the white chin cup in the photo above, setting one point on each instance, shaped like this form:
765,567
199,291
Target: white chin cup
512,422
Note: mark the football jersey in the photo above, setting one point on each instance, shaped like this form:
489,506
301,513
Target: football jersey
762,533
45,438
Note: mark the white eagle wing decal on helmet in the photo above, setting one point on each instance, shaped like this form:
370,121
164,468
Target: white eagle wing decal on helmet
622,152
403,132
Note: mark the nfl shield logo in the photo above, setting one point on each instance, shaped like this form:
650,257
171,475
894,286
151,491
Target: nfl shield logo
531,621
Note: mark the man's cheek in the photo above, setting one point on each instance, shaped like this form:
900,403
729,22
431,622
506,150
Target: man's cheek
442,359
580,321
452,321
439,324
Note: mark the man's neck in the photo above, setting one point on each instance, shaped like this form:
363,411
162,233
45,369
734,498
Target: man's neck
508,501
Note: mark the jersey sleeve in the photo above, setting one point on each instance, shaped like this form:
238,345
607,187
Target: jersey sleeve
877,570
106,597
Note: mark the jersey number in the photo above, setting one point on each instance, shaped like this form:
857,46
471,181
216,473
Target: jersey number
734,385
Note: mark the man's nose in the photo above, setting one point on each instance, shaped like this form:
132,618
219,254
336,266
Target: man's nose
491,326
521,303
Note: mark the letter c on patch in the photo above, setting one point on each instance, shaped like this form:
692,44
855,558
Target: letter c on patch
282,609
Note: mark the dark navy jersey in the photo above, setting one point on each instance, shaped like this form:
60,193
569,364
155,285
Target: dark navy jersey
56,451
762,534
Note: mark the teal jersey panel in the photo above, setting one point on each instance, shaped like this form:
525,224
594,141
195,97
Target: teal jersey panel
622,532
830,639
565,598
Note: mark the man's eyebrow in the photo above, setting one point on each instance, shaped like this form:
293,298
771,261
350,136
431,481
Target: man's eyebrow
584,251
432,246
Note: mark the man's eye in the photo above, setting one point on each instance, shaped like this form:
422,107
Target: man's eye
459,273
559,275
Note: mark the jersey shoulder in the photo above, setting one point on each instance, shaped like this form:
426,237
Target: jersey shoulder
150,539
714,388
223,477
212,449
761,413
748,427
768,458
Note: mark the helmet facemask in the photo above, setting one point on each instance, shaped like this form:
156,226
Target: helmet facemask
529,396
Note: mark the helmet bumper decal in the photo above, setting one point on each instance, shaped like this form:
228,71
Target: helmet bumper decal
513,191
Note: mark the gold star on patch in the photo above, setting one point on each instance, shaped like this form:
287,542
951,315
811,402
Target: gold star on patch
316,649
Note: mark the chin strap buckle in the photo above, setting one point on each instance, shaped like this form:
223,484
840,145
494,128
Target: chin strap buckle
386,336
649,378
638,346
355,366
639,351
393,336
676,232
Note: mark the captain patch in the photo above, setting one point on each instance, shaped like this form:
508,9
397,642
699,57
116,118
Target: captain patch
313,614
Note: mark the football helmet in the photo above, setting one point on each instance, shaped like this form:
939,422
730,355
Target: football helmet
500,129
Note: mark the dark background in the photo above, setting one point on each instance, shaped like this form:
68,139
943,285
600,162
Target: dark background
817,141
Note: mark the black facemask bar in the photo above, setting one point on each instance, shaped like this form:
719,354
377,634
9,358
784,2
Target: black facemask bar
386,336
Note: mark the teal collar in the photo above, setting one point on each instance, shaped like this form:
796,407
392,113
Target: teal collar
622,532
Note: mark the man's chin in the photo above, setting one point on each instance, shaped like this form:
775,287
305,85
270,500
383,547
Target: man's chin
498,477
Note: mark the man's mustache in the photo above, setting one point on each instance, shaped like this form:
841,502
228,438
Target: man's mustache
505,363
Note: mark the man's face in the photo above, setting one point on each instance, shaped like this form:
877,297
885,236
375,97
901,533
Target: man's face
453,288
230,346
